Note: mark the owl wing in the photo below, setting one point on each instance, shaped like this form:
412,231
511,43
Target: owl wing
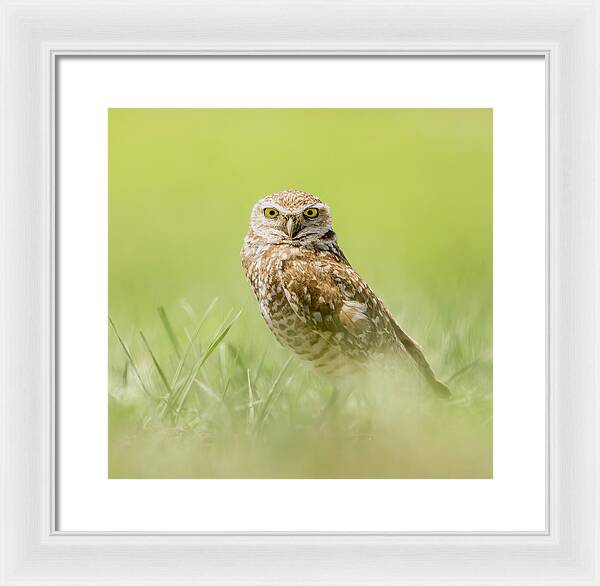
331,298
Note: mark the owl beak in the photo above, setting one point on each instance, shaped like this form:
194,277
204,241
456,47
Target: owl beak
292,226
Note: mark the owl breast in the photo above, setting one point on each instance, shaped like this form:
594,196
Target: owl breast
264,271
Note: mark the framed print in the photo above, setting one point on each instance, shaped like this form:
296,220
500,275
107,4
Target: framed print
290,306
210,400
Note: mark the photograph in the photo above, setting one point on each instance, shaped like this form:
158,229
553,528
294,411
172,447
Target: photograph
300,293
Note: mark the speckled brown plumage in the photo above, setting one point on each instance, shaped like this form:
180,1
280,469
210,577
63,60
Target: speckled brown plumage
311,298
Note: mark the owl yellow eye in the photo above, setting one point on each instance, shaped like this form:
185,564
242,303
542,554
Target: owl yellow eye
311,213
271,213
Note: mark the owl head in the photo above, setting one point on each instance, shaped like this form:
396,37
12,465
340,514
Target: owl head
291,217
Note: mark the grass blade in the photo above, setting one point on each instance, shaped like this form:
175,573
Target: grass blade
191,342
464,369
125,373
271,395
250,400
169,329
156,364
259,367
130,358
208,390
182,395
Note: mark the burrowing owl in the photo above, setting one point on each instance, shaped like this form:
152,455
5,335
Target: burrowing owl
311,298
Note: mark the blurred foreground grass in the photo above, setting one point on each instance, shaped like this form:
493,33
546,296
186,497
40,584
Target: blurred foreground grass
214,398
411,199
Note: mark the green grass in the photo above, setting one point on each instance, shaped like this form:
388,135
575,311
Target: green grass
225,401
196,390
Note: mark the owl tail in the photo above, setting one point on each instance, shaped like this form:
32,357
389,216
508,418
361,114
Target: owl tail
421,363
439,388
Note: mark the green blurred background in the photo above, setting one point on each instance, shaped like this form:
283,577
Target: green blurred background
410,192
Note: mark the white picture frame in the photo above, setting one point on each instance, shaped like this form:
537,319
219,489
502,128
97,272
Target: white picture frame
34,35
